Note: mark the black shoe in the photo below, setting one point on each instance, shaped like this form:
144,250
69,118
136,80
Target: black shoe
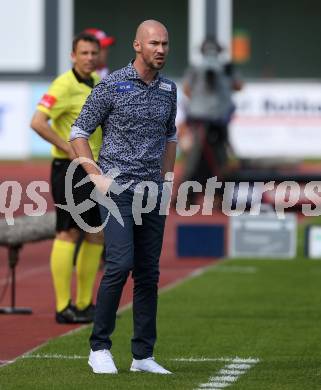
66,316
86,315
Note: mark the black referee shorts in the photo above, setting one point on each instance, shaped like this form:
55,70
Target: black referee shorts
65,221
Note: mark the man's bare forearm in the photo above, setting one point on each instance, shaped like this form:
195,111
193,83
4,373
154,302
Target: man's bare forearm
82,149
40,125
169,158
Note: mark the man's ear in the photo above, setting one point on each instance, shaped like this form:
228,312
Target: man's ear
72,56
136,46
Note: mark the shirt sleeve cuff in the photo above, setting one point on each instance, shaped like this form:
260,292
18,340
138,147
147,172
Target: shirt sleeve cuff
77,132
172,138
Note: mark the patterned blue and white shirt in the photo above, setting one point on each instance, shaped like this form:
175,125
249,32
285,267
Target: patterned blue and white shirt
137,121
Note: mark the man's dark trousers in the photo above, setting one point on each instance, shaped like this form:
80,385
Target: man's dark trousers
133,248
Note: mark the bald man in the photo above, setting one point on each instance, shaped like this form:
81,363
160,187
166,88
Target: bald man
137,108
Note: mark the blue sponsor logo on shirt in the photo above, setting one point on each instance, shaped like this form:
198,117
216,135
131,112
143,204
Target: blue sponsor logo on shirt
124,86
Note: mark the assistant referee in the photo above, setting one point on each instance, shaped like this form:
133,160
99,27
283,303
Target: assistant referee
62,104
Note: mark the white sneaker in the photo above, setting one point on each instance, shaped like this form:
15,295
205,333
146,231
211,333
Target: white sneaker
102,362
148,365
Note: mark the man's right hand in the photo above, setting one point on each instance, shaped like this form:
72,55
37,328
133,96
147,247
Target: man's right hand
102,183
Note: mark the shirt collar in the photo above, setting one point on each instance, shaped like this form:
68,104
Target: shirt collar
89,82
133,74
131,71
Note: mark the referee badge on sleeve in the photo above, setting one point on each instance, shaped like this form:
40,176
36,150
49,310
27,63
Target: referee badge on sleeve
48,101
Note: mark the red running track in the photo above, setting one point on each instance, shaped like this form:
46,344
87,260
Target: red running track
21,333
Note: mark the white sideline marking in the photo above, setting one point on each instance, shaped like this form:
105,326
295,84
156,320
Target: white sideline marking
235,361
229,374
228,378
240,366
221,359
53,356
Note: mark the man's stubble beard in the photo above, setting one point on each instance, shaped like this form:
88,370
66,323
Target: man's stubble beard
151,64
158,67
